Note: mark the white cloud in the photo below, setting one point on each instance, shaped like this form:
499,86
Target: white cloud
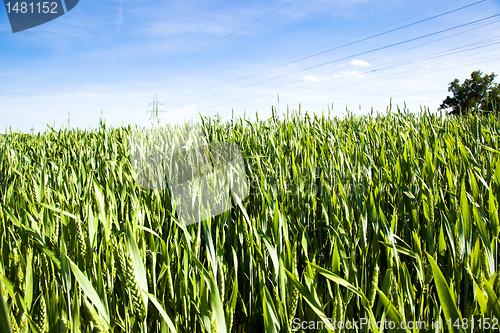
359,63
119,18
312,78
345,74
189,18
176,28
342,74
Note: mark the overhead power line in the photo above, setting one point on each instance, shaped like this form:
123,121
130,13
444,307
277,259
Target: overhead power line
355,99
335,48
347,57
225,37
373,30
465,48
401,74
439,54
405,50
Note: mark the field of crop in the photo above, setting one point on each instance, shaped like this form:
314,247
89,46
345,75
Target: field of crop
382,217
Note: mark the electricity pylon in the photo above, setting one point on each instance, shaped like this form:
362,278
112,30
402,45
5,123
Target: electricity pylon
155,110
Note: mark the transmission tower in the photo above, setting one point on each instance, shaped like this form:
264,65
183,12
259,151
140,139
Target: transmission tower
69,120
155,110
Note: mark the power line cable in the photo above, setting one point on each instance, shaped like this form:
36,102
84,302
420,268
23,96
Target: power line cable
338,47
429,58
413,47
404,73
415,60
351,56
376,29
440,39
287,4
336,88
496,58
378,93
225,37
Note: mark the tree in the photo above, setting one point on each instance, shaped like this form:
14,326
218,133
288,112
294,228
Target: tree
479,93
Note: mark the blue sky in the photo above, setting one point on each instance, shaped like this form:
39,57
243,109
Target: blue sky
114,55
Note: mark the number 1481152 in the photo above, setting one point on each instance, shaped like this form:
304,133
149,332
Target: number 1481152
32,7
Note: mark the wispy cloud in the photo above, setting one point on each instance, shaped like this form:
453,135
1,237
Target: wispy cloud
311,78
342,74
359,63
346,74
353,9
207,26
187,18
119,20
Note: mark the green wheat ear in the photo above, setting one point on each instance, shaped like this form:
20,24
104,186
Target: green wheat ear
94,317
19,277
127,273
54,238
82,246
293,300
374,283
13,322
40,314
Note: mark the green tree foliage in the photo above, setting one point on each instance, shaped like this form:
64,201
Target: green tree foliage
477,93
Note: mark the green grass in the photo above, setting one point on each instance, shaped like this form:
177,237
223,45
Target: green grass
391,217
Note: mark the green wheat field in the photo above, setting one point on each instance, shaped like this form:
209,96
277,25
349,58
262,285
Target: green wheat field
381,217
